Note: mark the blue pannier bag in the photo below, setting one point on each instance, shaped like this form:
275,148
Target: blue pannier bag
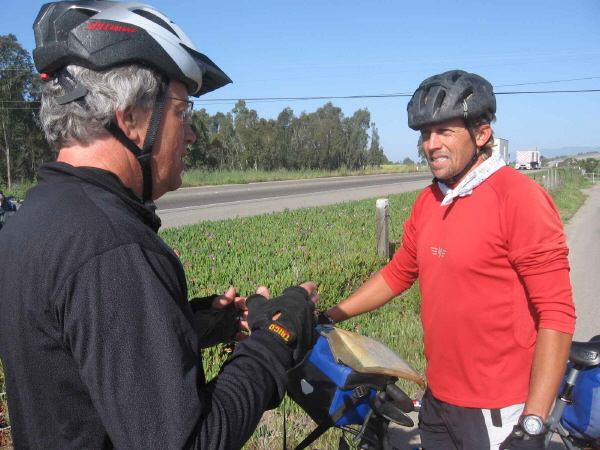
343,377
322,387
582,417
7,208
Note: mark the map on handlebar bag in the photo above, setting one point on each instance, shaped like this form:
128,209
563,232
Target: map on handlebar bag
367,355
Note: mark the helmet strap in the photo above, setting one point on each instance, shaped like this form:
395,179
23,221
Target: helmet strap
143,154
144,158
74,90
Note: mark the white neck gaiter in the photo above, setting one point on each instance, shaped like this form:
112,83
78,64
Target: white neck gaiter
472,180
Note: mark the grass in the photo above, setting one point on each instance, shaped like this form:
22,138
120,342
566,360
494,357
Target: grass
565,190
568,196
334,246
17,190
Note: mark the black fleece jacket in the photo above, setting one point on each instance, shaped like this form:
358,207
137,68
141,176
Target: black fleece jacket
98,340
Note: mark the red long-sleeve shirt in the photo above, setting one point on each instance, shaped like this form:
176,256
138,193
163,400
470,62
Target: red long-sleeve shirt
492,269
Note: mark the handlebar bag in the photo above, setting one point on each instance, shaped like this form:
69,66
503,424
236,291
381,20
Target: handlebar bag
321,386
8,204
582,417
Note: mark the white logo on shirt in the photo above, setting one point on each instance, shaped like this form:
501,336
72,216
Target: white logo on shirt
438,251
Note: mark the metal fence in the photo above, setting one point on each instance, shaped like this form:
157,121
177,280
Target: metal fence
552,178
592,176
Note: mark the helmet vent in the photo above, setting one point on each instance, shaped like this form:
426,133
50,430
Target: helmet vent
465,95
153,18
70,20
439,99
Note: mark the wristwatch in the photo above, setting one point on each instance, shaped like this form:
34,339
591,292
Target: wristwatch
532,425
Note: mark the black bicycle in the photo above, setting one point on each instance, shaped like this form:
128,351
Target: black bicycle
584,358
348,382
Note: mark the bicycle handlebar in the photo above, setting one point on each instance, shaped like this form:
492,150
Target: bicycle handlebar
404,401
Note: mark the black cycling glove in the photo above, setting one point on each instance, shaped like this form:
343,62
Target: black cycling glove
215,326
295,327
518,440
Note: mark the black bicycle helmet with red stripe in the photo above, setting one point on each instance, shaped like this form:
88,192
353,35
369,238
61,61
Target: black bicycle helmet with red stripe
99,35
455,94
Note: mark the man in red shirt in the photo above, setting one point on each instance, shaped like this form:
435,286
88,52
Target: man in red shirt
488,247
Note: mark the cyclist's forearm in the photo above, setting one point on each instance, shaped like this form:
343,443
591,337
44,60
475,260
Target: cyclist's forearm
371,295
549,362
253,379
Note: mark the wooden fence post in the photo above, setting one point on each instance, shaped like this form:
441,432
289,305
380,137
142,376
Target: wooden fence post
383,227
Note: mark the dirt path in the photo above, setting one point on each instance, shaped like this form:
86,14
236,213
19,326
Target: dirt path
583,239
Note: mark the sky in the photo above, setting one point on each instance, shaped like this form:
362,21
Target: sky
346,48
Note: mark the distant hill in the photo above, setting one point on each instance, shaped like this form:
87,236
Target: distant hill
564,152
568,151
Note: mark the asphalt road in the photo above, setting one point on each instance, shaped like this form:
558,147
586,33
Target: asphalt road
191,205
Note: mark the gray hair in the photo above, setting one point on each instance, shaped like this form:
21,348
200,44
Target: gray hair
110,90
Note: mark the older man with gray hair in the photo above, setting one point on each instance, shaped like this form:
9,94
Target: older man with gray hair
101,348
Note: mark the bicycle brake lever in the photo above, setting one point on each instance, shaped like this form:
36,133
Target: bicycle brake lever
391,412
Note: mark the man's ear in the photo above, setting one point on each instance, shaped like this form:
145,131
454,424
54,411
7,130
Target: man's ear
132,122
483,134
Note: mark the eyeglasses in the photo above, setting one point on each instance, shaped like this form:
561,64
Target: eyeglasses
187,114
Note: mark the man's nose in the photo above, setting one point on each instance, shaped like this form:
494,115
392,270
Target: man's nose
434,142
189,135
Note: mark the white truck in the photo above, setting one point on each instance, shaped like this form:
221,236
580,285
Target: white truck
527,160
501,146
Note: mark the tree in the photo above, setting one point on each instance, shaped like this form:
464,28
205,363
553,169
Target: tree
330,139
198,152
302,142
375,156
420,150
408,161
324,139
21,139
591,165
358,138
284,130
221,132
569,162
248,148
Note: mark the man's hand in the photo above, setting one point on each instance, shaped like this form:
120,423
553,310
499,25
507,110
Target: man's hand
519,440
290,317
227,299
220,318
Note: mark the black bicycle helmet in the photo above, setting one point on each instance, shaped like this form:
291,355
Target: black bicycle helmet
99,35
450,95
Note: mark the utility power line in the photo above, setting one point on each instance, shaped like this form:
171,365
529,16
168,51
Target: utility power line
545,82
340,97
260,99
546,92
